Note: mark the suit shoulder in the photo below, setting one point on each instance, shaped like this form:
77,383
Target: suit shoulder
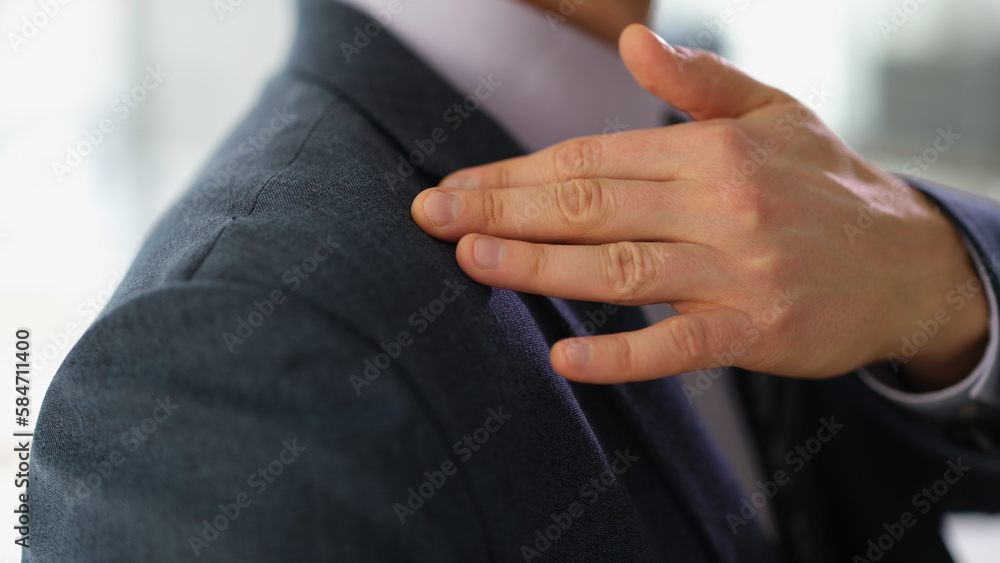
302,163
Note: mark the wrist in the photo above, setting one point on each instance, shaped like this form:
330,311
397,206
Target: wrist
948,337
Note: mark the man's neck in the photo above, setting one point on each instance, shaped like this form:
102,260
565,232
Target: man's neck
603,18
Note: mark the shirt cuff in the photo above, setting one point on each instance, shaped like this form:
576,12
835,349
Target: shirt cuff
980,386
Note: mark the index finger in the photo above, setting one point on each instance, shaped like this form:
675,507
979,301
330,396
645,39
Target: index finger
643,154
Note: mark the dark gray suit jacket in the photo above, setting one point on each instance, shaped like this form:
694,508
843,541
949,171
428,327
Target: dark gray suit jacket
293,371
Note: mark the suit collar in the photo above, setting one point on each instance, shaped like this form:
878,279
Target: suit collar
558,81
396,91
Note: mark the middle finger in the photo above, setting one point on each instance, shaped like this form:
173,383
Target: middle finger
592,211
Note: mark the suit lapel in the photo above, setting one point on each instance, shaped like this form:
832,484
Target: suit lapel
679,445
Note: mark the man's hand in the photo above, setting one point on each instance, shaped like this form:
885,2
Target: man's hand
746,222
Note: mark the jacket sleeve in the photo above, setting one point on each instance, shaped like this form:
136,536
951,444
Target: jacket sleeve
978,388
978,219
891,474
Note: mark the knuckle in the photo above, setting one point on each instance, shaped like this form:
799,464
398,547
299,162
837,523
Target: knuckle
629,358
494,212
576,158
540,264
770,269
688,338
730,139
630,270
747,208
580,201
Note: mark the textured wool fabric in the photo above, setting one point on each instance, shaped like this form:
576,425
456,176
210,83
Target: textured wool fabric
293,371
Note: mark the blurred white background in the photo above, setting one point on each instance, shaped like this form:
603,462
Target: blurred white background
67,236
67,239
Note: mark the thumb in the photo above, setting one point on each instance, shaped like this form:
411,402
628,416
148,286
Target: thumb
698,82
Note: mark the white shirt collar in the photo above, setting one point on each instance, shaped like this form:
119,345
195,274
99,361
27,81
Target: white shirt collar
557,81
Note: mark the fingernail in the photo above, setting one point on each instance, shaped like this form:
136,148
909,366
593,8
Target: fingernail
488,252
460,182
578,352
663,41
442,208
